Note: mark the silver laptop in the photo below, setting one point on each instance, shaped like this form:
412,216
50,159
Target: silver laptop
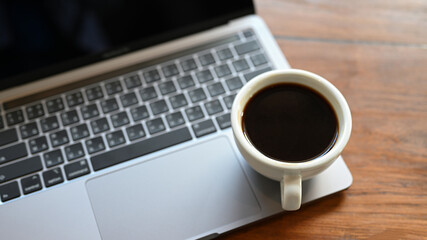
115,120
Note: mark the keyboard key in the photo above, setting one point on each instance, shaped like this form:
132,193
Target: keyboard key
246,47
213,107
76,169
141,148
29,130
113,87
35,111
74,99
240,65
248,33
49,123
13,152
249,76
185,82
178,101
206,59
109,105
79,132
53,158
38,144
132,81
119,119
175,119
151,76
99,125
95,145
156,125
9,191
54,105
94,93
216,89
234,83
148,93
129,99
222,70
8,136
159,107
204,128
194,113
20,168
74,151
204,76
53,177
167,87
69,117
89,111
139,113
259,59
224,54
135,132
188,64
31,184
14,117
59,138
170,70
224,121
228,100
197,95
115,138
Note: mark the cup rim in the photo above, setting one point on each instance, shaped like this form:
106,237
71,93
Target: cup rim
329,157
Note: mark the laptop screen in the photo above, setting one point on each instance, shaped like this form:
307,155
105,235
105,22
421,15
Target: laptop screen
41,38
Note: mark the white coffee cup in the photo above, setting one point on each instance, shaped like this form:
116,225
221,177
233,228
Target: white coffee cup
290,174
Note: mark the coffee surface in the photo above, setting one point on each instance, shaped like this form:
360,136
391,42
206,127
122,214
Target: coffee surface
290,123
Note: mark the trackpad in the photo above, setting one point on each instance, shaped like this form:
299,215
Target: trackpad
176,196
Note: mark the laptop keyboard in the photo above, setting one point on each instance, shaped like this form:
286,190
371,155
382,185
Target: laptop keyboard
82,131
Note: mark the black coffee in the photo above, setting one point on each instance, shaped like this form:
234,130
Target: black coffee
290,123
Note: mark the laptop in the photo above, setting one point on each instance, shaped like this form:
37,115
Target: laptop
115,120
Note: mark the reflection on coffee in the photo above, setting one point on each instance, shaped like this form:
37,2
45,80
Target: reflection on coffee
290,123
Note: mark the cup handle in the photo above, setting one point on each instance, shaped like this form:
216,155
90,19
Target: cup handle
291,192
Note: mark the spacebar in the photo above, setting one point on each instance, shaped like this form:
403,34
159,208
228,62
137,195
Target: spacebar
141,148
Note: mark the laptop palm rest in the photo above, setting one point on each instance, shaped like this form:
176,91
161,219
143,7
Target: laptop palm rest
176,196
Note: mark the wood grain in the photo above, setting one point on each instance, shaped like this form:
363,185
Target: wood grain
383,75
393,22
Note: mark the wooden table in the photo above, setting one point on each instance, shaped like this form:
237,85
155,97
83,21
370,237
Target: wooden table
375,52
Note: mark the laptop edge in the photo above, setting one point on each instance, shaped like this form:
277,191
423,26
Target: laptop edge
75,211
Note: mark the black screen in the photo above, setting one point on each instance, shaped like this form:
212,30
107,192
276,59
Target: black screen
41,38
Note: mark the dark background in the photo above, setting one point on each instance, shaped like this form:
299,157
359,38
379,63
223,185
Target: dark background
46,37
